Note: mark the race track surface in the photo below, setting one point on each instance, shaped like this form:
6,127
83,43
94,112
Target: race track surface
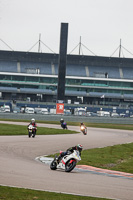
19,168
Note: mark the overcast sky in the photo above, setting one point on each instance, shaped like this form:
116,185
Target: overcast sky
100,23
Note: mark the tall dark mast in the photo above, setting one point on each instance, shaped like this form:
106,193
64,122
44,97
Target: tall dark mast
62,62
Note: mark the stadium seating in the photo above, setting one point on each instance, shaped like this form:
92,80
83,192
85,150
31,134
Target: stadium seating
105,95
73,93
127,72
35,91
8,66
128,96
75,70
8,89
100,72
36,68
71,70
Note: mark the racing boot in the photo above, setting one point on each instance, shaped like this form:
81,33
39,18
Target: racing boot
59,158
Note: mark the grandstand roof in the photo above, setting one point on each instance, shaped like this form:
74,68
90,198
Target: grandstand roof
71,59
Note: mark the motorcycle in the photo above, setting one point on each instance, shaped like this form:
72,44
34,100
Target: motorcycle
64,125
67,163
84,130
31,130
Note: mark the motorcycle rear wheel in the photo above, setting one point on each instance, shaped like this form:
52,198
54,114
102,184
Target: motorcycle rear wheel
70,166
53,165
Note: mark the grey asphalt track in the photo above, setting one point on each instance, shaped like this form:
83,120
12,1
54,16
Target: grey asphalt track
19,168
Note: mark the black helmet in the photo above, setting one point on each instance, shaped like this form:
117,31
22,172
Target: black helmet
61,120
82,123
79,147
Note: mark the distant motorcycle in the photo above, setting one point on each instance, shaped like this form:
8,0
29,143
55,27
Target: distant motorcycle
64,125
68,162
31,131
83,130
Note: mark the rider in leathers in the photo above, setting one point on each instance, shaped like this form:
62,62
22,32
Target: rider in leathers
63,123
34,124
82,124
78,147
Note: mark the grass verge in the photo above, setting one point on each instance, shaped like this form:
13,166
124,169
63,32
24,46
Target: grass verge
117,157
10,193
9,129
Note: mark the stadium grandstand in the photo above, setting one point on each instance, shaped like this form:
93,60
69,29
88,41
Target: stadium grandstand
90,80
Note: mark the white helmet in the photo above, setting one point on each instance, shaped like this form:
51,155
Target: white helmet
61,120
32,120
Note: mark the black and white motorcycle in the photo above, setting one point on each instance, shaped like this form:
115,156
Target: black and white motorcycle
67,163
31,130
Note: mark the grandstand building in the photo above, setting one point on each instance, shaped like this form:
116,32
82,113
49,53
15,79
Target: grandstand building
91,80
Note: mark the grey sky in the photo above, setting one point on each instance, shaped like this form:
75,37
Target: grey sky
100,23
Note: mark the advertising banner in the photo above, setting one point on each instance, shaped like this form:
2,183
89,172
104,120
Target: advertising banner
59,108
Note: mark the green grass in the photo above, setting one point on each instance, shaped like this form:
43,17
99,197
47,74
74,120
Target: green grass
118,157
9,129
10,193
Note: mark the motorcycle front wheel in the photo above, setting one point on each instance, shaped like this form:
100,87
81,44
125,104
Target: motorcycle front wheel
84,132
29,134
53,165
70,166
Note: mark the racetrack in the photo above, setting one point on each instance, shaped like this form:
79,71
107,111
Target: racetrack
19,168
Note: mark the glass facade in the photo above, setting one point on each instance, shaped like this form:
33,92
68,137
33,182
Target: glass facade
71,84
90,89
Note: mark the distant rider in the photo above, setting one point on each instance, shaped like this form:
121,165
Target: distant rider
33,123
63,124
78,147
82,124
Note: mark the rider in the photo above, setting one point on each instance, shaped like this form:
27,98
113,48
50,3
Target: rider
61,120
82,124
33,123
63,123
78,147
